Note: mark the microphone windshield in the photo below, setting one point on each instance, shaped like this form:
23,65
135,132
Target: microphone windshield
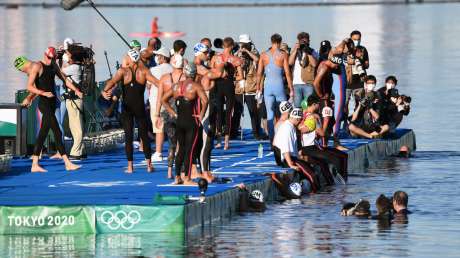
70,4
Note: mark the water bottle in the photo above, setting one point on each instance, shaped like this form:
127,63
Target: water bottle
260,151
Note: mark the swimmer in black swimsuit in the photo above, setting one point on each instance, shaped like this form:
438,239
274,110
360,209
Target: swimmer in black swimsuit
191,103
134,78
41,82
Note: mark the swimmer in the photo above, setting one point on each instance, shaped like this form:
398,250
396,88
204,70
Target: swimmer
274,62
191,104
41,83
134,78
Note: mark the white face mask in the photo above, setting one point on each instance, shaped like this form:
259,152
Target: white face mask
157,60
370,86
65,58
390,86
357,42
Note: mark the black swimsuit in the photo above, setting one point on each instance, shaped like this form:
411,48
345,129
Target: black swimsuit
133,107
47,107
187,129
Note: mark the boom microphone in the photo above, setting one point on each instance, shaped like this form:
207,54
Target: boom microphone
70,4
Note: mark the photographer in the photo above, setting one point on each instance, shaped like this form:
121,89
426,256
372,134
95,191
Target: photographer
358,74
304,59
71,66
395,108
245,89
366,120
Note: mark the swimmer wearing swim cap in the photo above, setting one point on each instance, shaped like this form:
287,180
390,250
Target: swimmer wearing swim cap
134,78
191,102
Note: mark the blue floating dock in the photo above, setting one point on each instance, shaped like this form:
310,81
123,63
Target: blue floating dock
101,198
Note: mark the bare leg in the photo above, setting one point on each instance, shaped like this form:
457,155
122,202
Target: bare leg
130,168
35,166
149,165
356,131
159,139
170,173
226,142
69,166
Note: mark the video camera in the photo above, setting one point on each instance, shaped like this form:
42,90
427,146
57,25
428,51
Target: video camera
84,56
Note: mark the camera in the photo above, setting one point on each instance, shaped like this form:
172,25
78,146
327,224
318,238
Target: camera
366,101
304,47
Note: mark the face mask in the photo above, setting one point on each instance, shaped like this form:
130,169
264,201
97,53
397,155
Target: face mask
389,86
157,60
65,58
357,42
370,87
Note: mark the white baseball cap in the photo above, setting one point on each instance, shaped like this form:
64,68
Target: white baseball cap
163,51
244,38
67,42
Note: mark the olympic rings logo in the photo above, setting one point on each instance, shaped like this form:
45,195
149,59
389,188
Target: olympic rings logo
120,219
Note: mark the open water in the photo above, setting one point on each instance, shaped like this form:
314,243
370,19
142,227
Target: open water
417,43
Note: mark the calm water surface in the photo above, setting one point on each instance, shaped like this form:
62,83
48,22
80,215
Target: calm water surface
418,43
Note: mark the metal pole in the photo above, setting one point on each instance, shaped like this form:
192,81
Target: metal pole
108,65
113,28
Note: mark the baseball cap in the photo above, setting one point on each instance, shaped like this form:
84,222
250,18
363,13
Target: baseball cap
163,52
296,113
244,38
285,106
325,44
67,42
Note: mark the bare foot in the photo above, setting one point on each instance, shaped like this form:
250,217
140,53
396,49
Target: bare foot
218,146
72,167
150,168
129,169
178,180
374,135
208,176
37,169
189,181
194,172
56,156
341,148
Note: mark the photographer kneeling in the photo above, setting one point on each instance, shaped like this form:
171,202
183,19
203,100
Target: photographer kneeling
72,68
395,108
366,121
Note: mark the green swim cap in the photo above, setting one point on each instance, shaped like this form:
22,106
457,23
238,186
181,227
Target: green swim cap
20,61
134,43
304,104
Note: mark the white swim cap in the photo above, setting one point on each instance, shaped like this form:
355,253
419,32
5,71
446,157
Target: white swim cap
200,48
177,61
134,55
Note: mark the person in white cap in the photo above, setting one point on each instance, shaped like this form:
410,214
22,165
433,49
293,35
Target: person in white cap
285,110
286,150
245,90
167,82
285,140
163,67
134,79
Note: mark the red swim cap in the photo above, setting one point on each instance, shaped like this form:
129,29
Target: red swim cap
50,52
